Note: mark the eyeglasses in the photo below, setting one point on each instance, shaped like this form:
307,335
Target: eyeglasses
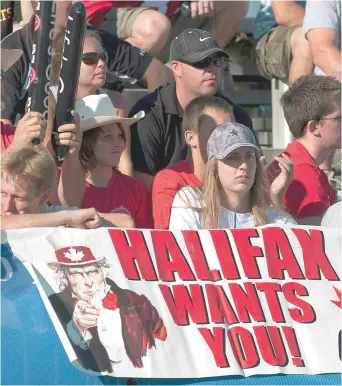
337,119
206,62
92,58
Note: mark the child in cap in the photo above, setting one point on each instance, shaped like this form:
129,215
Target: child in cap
235,192
103,141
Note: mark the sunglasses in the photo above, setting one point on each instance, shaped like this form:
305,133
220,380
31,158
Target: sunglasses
206,62
92,58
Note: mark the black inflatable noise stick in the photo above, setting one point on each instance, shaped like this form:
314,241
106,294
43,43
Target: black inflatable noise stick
39,76
69,75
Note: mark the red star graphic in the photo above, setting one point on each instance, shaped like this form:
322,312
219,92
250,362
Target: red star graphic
338,302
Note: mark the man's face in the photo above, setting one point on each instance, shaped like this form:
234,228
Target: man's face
18,196
87,283
208,122
330,129
200,81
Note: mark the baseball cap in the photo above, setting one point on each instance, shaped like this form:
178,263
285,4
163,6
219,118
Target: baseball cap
193,45
228,137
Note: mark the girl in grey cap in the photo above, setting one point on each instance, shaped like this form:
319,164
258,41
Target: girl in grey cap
235,192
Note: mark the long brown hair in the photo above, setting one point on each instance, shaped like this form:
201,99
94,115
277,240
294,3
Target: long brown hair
211,193
86,154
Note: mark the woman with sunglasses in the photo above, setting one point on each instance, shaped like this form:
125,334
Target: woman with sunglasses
235,193
93,69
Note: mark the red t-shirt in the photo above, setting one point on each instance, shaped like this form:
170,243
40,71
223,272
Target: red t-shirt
124,194
7,135
165,185
97,10
310,193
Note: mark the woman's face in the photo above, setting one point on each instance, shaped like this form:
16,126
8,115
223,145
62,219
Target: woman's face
237,171
109,145
94,74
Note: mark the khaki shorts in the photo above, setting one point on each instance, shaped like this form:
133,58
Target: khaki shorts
273,53
120,21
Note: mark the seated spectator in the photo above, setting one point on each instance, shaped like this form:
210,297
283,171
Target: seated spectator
122,59
28,176
282,51
104,187
158,140
152,26
333,216
234,193
201,116
322,28
312,110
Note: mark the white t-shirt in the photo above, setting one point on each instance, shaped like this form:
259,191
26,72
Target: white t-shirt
183,216
333,216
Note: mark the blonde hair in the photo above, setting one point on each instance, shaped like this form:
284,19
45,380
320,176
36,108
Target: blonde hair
211,193
34,164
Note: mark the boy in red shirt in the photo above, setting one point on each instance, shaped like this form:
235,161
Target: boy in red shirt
200,118
313,112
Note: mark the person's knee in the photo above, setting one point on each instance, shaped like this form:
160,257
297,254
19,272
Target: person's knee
299,45
151,28
237,9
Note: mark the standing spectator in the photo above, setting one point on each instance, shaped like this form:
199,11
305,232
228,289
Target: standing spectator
282,51
158,140
322,28
312,109
235,193
152,25
201,116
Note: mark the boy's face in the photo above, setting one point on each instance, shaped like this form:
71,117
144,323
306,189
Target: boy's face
19,197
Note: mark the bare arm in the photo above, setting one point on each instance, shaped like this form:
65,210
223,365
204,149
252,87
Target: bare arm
78,218
157,74
288,13
325,54
17,221
27,10
71,186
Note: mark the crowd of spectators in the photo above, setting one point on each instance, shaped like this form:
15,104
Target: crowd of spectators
185,156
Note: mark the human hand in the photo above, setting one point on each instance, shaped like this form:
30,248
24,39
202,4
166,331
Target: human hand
83,218
32,125
202,8
85,316
283,180
70,135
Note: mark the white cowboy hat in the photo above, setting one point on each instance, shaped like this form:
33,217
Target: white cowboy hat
98,110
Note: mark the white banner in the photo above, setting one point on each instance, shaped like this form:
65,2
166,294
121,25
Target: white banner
191,304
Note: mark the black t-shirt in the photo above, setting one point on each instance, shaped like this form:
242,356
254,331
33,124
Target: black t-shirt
7,15
157,141
123,58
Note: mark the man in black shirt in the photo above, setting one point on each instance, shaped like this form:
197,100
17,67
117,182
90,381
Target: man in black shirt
123,58
157,141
